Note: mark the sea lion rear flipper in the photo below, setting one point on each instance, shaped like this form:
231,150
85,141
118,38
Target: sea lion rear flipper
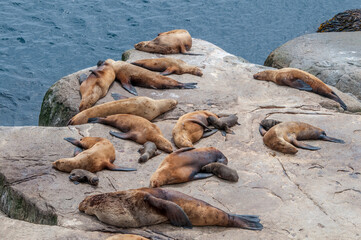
77,150
331,139
121,135
209,133
82,78
76,182
125,81
338,99
112,167
184,149
74,141
224,133
303,145
189,85
250,222
201,176
117,96
173,212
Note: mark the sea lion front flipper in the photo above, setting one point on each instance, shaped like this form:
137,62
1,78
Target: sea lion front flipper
201,176
262,130
173,212
199,123
121,135
113,167
303,145
168,71
82,78
185,149
331,139
77,150
209,133
301,85
76,182
125,81
117,96
73,141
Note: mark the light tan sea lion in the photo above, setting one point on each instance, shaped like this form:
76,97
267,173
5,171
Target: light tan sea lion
283,137
135,128
172,42
149,206
97,84
185,165
190,128
99,154
301,80
140,106
126,237
128,75
168,66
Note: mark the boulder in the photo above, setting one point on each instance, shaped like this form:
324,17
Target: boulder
333,57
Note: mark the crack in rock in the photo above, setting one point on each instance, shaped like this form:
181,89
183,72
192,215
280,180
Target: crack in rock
27,179
270,191
348,189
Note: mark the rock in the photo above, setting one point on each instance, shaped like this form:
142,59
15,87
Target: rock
335,58
347,21
310,195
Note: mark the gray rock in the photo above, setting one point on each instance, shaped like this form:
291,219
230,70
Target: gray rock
335,58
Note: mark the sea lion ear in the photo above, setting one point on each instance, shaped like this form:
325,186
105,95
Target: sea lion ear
173,212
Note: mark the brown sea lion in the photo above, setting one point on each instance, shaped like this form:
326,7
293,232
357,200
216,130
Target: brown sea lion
190,128
224,123
99,154
168,66
301,80
283,137
97,84
148,151
81,175
172,42
185,165
149,206
128,75
135,128
126,237
140,106
221,171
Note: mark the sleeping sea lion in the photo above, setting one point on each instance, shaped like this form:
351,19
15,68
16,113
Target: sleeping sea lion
81,175
185,165
97,84
149,206
140,106
99,154
190,128
128,75
172,42
135,128
224,123
168,66
148,151
126,237
301,80
283,137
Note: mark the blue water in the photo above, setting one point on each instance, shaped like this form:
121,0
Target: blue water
42,41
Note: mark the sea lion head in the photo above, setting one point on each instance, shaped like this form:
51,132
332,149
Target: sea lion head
141,46
262,75
167,104
196,71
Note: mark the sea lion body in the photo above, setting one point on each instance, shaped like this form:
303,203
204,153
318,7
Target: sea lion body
148,151
187,131
283,137
221,171
126,237
137,129
129,75
149,206
185,165
81,175
140,106
172,42
301,80
224,123
96,85
168,66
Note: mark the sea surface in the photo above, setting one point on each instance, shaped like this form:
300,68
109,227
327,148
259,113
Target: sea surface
42,41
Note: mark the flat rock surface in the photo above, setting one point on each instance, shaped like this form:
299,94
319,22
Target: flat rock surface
333,57
313,194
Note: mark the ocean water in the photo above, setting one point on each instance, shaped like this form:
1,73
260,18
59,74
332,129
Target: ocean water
42,41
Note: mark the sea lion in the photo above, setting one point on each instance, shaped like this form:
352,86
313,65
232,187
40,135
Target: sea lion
185,165
126,237
148,151
140,106
135,128
224,123
172,42
283,137
168,66
81,175
128,75
149,206
97,84
190,128
221,171
99,154
301,80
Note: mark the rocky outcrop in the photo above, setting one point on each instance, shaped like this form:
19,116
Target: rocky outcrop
335,58
314,194
347,21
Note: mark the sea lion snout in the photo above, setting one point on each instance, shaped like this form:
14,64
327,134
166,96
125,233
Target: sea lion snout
140,45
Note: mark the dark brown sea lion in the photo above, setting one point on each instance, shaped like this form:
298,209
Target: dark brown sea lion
148,151
221,171
301,80
283,137
224,123
135,128
99,154
81,175
126,237
128,75
97,84
149,206
140,106
190,128
185,165
168,66
172,42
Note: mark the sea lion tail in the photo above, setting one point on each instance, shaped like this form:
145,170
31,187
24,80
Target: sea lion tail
189,85
338,99
250,222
